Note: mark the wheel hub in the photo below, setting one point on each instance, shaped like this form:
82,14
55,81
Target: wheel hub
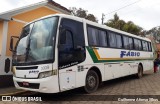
91,81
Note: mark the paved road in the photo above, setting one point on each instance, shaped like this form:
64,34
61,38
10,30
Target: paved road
127,87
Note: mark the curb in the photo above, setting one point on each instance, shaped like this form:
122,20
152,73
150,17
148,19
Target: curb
12,93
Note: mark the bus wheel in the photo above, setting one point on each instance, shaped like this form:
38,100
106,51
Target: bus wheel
92,82
140,71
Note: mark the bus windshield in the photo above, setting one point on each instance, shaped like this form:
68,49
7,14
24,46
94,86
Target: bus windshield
37,42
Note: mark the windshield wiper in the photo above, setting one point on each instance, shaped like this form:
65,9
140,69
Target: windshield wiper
27,50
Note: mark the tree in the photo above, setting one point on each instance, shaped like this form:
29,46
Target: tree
83,14
78,12
91,17
115,22
130,27
155,32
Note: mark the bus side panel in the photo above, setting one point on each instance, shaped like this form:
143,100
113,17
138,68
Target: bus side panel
87,65
117,65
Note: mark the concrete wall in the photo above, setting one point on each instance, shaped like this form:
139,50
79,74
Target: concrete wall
1,33
13,28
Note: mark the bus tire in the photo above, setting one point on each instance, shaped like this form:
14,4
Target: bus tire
140,71
92,82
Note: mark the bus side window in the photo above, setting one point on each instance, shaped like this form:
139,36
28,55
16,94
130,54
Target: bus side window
102,38
145,46
66,40
130,43
139,45
146,43
65,47
149,47
119,41
71,46
126,42
93,36
136,45
63,38
112,39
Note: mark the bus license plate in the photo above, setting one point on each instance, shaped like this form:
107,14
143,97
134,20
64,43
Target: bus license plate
25,83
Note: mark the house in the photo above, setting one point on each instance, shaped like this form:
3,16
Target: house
11,23
154,45
158,50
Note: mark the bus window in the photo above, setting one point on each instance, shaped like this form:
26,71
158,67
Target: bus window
71,43
136,46
119,41
149,46
145,46
126,42
93,36
139,45
103,38
130,41
65,48
112,39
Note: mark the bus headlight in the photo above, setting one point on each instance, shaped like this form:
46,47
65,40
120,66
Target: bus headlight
47,74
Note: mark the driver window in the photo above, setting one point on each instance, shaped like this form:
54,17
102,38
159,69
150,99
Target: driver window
66,41
71,37
66,38
65,48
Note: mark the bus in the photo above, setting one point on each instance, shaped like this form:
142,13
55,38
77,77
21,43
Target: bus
62,52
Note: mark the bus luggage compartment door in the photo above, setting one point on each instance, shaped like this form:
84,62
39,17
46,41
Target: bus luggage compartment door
67,80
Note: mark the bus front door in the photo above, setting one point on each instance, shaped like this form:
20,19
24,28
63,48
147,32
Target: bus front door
71,52
66,69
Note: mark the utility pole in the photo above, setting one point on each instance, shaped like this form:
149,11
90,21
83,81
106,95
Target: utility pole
103,18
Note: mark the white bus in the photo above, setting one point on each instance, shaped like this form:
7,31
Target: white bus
62,52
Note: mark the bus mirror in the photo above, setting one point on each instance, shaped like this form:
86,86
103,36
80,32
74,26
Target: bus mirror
78,48
13,43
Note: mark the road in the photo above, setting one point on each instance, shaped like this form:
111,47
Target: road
109,92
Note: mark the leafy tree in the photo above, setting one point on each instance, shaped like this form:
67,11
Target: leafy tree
91,17
115,22
130,27
83,14
155,32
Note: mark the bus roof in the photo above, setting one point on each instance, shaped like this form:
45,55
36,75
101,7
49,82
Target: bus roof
93,24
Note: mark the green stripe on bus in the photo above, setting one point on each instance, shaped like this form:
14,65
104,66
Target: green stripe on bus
92,54
95,59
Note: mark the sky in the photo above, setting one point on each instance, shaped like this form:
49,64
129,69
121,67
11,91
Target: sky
145,13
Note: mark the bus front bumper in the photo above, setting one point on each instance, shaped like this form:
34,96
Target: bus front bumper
44,85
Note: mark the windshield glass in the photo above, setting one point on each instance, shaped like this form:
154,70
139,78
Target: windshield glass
36,43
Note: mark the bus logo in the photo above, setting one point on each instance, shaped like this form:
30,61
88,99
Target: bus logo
33,71
129,53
